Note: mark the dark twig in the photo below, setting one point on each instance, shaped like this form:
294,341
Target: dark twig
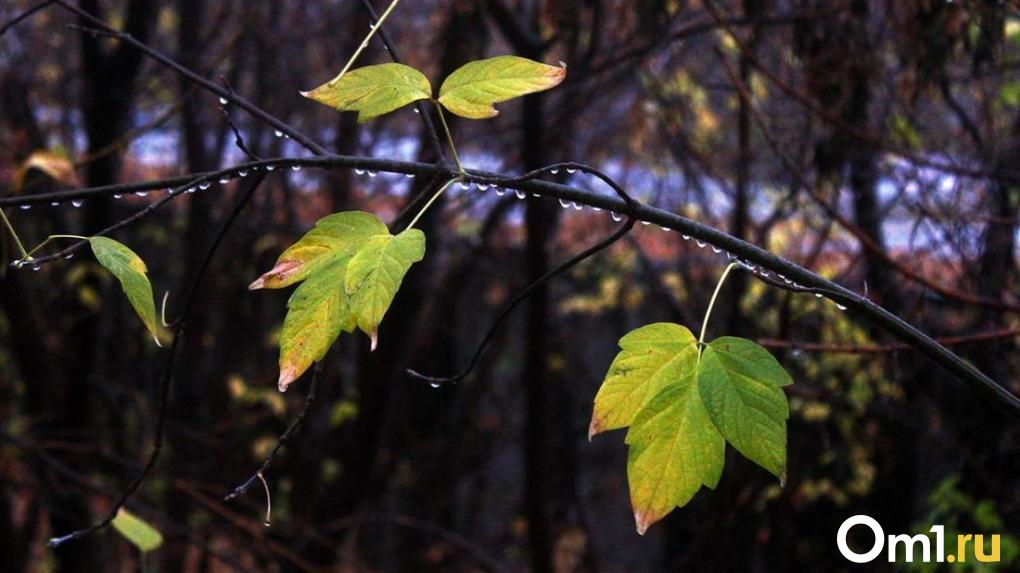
563,267
168,371
24,15
241,102
295,425
745,251
238,138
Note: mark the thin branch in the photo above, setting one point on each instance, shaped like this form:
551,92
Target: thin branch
159,57
801,279
24,16
292,429
168,372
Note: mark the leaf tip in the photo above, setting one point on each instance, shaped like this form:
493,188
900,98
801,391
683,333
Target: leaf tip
258,284
594,427
287,376
643,520
374,336
782,478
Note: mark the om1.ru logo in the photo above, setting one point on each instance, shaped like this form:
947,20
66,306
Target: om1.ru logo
910,544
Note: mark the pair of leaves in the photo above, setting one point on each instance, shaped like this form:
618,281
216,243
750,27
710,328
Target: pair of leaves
131,271
350,268
469,92
682,404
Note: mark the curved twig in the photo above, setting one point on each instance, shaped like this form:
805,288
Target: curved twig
167,378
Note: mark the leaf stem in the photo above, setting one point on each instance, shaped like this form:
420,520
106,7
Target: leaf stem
449,136
10,229
364,44
29,254
432,200
711,303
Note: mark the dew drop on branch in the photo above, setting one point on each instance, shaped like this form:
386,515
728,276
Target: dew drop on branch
77,202
278,133
520,194
26,207
616,216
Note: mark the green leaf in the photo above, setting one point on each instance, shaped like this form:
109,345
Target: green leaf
137,531
130,270
333,237
472,89
317,313
375,273
373,90
741,386
674,450
651,358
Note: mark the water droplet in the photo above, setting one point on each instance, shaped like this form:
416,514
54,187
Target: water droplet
484,187
701,244
686,237
359,171
243,173
564,203
616,216
520,194
818,295
278,133
536,195
416,110
499,191
77,202
270,168
409,175
665,228
36,266
69,256
117,196
578,206
596,208
204,185
267,523
55,204
224,180
372,173
223,101
716,249
434,384
840,306
764,273
189,190
465,185
26,207
646,222
571,170
554,171
298,168
141,193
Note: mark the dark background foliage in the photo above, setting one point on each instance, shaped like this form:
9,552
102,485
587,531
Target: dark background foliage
829,165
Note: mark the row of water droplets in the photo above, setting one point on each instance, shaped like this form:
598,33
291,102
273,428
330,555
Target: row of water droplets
500,191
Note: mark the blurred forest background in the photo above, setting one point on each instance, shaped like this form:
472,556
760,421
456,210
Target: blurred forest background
813,128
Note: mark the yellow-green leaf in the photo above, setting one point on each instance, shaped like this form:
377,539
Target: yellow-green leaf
674,450
130,270
137,531
375,273
741,385
373,90
317,313
334,236
471,90
651,358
